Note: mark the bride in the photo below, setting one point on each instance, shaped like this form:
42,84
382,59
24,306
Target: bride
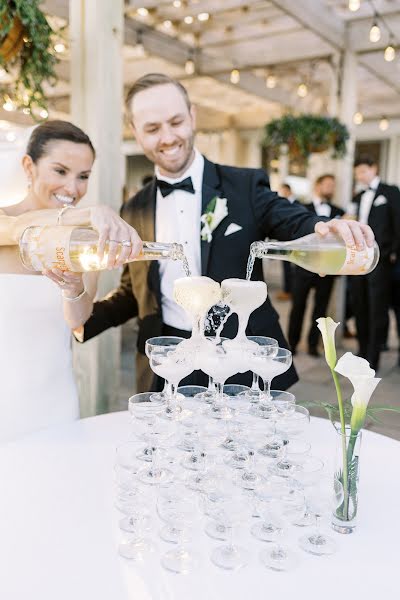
37,387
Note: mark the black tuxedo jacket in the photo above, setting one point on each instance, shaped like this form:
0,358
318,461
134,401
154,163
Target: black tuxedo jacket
384,218
251,204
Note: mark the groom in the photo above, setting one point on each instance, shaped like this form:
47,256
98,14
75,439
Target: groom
172,208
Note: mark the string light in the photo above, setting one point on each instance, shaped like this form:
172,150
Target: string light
383,124
203,16
167,24
59,47
188,19
390,53
44,113
354,5
177,3
142,12
302,90
9,105
235,76
190,67
374,33
358,118
271,81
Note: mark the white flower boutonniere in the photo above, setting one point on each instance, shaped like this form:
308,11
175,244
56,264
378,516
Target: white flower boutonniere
216,212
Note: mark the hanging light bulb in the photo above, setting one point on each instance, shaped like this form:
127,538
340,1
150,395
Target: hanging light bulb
271,81
358,118
167,24
177,3
190,67
188,19
204,16
302,90
59,47
390,53
383,124
374,33
354,5
9,105
142,12
235,76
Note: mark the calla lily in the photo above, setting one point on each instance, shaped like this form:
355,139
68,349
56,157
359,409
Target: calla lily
364,382
363,390
327,327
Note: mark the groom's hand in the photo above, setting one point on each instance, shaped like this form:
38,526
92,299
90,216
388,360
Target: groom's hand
352,232
123,241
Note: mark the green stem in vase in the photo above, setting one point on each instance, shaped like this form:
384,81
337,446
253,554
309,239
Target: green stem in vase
344,449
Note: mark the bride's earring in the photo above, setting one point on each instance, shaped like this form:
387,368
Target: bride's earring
29,182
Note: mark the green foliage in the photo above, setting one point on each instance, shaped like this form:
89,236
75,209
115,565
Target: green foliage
306,134
35,62
333,411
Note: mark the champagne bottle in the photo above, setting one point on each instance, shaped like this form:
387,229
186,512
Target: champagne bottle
72,248
326,255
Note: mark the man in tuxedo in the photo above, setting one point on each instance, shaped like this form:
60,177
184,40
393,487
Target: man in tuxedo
285,191
304,281
169,209
379,207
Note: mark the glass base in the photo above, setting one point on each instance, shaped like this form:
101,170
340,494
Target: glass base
345,527
193,462
130,524
216,531
266,532
221,411
136,549
317,543
250,395
179,561
230,557
172,535
191,391
248,480
279,558
155,476
235,389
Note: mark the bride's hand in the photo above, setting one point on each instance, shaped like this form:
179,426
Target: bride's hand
70,283
121,237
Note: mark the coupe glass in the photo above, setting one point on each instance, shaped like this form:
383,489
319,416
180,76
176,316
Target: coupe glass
173,364
280,556
253,394
155,342
279,405
268,363
233,510
294,424
210,393
321,499
136,522
220,363
179,509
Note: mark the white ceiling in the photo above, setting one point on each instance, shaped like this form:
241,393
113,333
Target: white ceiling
296,40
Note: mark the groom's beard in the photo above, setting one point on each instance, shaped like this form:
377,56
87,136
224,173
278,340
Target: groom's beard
185,155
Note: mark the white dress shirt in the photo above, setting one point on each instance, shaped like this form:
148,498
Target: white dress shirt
366,201
321,208
178,220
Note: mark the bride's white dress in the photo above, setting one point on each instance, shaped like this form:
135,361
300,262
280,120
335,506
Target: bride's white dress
37,388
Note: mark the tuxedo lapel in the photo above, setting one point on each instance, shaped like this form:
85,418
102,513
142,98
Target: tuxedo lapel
210,189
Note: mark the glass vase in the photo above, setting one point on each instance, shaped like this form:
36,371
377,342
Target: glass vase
347,471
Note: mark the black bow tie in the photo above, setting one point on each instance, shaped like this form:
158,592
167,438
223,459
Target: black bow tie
167,188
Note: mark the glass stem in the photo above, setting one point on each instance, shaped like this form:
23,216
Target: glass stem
219,391
211,385
254,386
267,389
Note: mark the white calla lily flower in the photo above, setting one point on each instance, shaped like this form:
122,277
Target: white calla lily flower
327,327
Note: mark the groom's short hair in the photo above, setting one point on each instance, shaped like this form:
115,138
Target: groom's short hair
152,80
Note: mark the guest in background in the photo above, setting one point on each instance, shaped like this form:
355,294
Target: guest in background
285,191
146,179
379,207
304,281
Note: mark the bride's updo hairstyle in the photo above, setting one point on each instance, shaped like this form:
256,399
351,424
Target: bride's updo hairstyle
51,131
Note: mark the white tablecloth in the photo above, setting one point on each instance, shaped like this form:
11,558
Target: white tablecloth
59,534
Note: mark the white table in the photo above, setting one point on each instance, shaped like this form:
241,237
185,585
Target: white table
58,528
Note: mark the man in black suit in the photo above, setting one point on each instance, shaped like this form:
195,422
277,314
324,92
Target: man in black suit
169,209
285,191
379,207
304,281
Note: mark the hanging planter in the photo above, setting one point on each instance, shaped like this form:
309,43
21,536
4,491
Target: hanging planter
26,54
306,134
11,43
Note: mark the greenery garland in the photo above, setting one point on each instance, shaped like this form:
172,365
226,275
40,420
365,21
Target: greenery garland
306,134
34,63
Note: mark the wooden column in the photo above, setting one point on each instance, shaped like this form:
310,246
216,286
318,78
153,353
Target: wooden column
96,28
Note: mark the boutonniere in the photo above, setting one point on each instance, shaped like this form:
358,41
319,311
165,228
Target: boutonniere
216,211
